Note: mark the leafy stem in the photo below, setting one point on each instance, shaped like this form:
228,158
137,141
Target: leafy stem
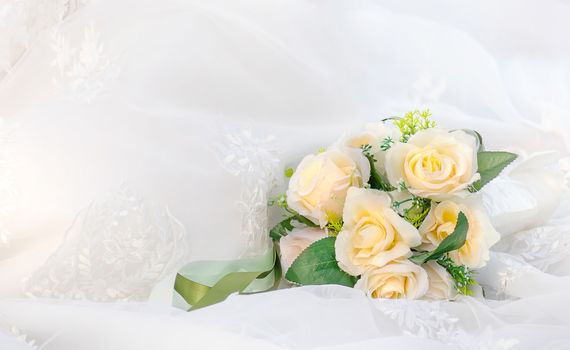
418,211
286,225
462,276
387,142
413,122
397,204
377,181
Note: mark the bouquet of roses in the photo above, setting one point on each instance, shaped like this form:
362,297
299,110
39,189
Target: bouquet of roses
392,210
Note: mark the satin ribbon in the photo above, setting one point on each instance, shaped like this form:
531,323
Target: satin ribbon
205,283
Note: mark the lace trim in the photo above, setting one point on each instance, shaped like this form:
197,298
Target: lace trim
255,161
15,332
542,246
117,249
426,319
84,70
23,21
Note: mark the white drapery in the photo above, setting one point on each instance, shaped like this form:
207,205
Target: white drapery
140,135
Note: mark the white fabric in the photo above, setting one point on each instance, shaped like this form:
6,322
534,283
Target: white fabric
141,135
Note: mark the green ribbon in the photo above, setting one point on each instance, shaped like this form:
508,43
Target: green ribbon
205,283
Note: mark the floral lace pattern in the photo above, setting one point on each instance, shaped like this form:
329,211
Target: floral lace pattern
18,334
23,21
540,247
419,318
513,268
427,319
117,249
255,161
85,70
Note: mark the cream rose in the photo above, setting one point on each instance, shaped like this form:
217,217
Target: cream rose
318,187
400,279
440,223
440,282
292,245
434,163
374,134
373,234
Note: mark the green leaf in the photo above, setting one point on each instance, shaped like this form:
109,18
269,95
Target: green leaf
317,265
452,242
286,225
490,165
377,181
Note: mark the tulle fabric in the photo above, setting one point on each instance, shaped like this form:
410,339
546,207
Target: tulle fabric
191,110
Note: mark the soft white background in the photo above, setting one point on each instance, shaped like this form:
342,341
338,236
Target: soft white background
116,105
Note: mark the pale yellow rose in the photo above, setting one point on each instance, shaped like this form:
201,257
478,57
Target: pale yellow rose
440,282
440,223
317,189
434,163
292,245
400,279
374,135
373,233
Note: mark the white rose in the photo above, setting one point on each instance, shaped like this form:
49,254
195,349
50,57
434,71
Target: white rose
292,245
440,223
440,282
374,135
400,279
373,234
318,187
434,163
